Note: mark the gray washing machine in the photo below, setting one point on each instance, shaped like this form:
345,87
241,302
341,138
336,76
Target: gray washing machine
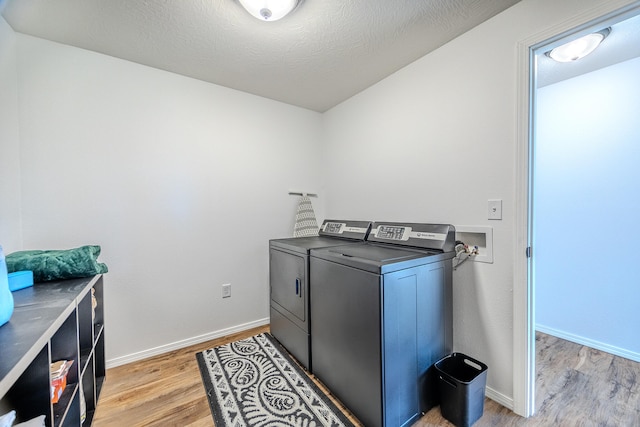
381,316
289,282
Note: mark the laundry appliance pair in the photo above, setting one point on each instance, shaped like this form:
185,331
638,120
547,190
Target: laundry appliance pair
367,308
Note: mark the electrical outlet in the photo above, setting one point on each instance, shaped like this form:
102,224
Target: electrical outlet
226,290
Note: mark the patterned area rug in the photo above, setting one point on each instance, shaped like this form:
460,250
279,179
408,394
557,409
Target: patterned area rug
255,382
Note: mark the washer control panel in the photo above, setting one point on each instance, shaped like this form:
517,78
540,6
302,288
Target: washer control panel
428,236
393,232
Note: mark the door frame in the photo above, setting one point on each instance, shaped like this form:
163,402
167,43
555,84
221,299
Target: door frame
523,289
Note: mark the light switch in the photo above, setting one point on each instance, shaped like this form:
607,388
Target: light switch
495,208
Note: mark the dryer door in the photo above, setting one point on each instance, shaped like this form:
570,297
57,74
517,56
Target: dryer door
288,280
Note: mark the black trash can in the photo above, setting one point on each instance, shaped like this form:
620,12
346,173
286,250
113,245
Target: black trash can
461,384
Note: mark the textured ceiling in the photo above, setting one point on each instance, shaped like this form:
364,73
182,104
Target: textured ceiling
324,52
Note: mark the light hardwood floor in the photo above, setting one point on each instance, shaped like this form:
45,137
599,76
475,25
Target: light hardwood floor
575,386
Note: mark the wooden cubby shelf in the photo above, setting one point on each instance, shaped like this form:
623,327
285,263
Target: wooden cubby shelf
54,321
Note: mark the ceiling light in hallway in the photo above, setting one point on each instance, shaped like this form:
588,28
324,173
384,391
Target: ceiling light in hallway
578,48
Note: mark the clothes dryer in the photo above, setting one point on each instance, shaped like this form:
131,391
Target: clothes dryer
289,282
381,316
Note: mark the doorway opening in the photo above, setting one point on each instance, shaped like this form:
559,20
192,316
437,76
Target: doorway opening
545,83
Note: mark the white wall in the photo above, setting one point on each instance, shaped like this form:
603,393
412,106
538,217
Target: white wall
10,225
434,142
586,208
181,182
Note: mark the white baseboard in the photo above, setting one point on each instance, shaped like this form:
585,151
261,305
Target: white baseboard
617,351
134,357
502,399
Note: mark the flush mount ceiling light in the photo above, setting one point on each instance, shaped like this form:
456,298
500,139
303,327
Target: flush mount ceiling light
269,10
578,48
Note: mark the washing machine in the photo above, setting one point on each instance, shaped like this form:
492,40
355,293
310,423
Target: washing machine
381,316
289,282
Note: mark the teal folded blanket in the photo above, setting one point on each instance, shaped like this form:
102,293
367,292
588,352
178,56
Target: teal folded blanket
58,264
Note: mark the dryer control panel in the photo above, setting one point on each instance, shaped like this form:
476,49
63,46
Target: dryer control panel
428,236
356,230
